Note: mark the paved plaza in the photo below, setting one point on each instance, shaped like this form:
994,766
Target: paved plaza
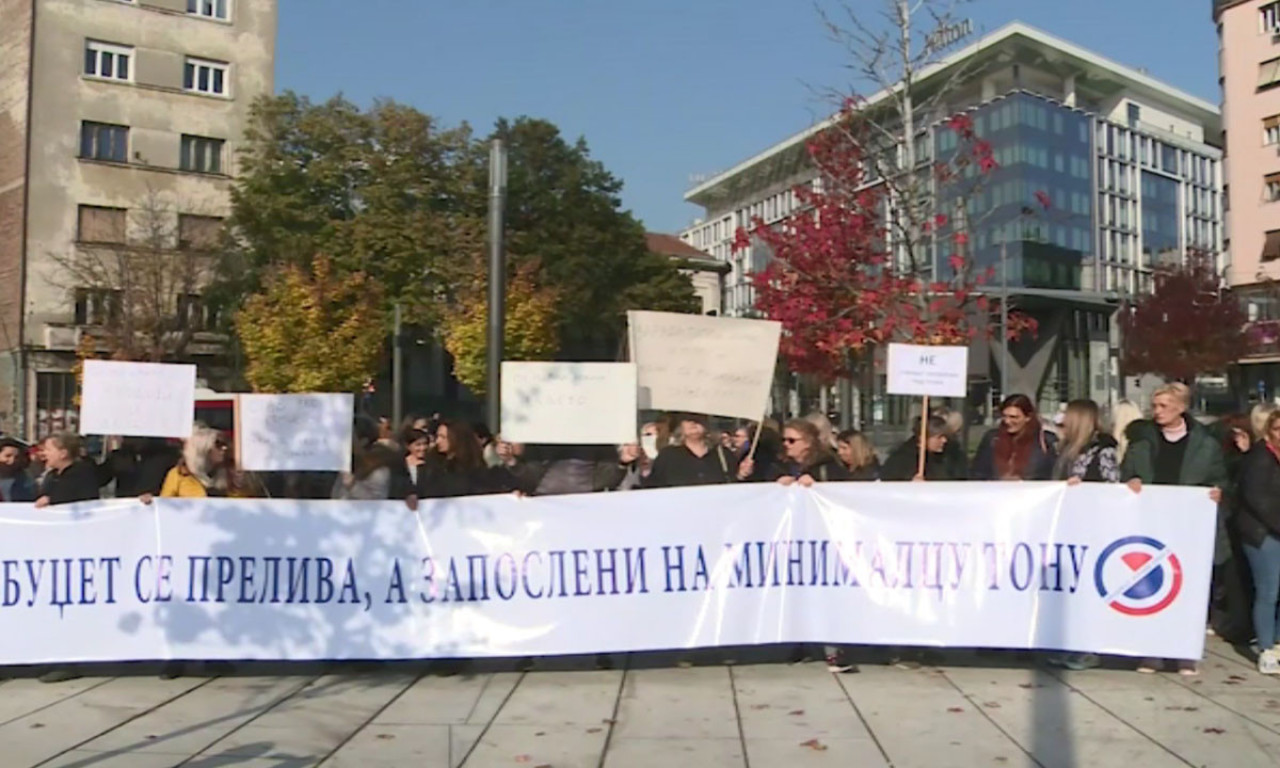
972,711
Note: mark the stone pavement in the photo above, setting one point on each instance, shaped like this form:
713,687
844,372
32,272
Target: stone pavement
748,715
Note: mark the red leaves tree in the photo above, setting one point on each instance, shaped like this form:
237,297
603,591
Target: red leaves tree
850,268
1188,325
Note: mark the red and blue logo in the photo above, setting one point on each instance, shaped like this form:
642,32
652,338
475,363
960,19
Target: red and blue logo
1138,576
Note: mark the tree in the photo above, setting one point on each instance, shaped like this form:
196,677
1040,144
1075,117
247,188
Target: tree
312,330
138,287
1188,326
530,331
388,192
853,267
564,213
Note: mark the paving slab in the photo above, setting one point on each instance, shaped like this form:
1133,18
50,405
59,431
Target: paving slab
563,699
78,758
47,733
22,697
561,746
394,746
694,703
917,716
195,721
1053,723
674,752
436,700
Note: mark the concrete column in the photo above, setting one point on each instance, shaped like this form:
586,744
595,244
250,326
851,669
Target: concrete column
1069,91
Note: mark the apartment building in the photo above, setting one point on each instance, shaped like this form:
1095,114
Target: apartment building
1131,165
1249,69
119,121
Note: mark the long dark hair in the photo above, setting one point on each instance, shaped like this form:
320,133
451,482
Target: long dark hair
1024,404
464,446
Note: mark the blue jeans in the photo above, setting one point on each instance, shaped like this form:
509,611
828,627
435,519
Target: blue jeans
1264,562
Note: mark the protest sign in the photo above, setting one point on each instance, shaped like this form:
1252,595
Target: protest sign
713,365
569,403
932,371
302,432
137,399
1090,568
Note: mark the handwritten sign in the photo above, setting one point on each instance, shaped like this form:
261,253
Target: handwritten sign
713,365
302,433
137,399
923,370
569,403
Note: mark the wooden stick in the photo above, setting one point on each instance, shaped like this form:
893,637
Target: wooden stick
751,455
924,427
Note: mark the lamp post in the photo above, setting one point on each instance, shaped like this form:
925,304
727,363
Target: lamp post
497,284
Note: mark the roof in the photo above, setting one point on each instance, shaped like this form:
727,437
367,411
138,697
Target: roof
689,257
1009,34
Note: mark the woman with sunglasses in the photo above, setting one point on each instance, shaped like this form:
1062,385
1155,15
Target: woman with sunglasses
204,469
807,458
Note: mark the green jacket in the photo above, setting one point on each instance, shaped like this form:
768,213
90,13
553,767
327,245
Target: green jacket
1203,464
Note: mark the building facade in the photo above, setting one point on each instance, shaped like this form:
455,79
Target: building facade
1130,168
119,121
1249,69
706,274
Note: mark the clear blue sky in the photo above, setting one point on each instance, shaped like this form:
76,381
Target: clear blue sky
663,89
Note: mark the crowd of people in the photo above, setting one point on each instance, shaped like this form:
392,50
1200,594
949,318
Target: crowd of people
1237,458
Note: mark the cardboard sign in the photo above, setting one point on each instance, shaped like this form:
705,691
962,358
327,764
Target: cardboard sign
302,433
713,365
923,370
137,399
569,403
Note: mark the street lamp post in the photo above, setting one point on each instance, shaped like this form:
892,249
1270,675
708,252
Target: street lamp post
497,284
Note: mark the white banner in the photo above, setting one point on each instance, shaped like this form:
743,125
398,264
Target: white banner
302,432
545,403
714,365
992,565
137,399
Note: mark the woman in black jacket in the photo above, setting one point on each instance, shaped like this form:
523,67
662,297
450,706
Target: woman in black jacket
807,458
1019,449
904,462
458,468
1259,524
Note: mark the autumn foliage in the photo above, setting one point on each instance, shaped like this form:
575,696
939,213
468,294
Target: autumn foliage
312,330
1187,326
531,330
835,283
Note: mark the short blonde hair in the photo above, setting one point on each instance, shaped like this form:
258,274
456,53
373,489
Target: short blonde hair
1175,389
1258,418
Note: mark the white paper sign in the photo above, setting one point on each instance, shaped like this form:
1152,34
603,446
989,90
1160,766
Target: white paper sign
924,370
1091,568
137,399
302,433
569,403
713,365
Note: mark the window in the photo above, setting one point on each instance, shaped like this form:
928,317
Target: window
97,306
1268,74
1270,17
100,225
198,233
1271,130
211,9
194,314
107,61
201,154
102,141
203,76
55,403
1271,193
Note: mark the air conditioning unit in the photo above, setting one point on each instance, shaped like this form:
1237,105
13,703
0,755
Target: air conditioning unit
61,338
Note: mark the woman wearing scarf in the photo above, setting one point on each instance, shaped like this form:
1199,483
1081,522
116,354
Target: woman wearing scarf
1019,449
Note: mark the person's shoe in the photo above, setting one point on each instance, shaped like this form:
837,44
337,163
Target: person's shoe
1056,659
839,666
1268,662
604,661
59,676
1188,668
1078,662
1149,666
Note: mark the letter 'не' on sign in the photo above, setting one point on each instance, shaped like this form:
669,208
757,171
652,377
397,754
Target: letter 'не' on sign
713,365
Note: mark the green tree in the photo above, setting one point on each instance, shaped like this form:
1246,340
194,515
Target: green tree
388,192
529,330
565,213
312,330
